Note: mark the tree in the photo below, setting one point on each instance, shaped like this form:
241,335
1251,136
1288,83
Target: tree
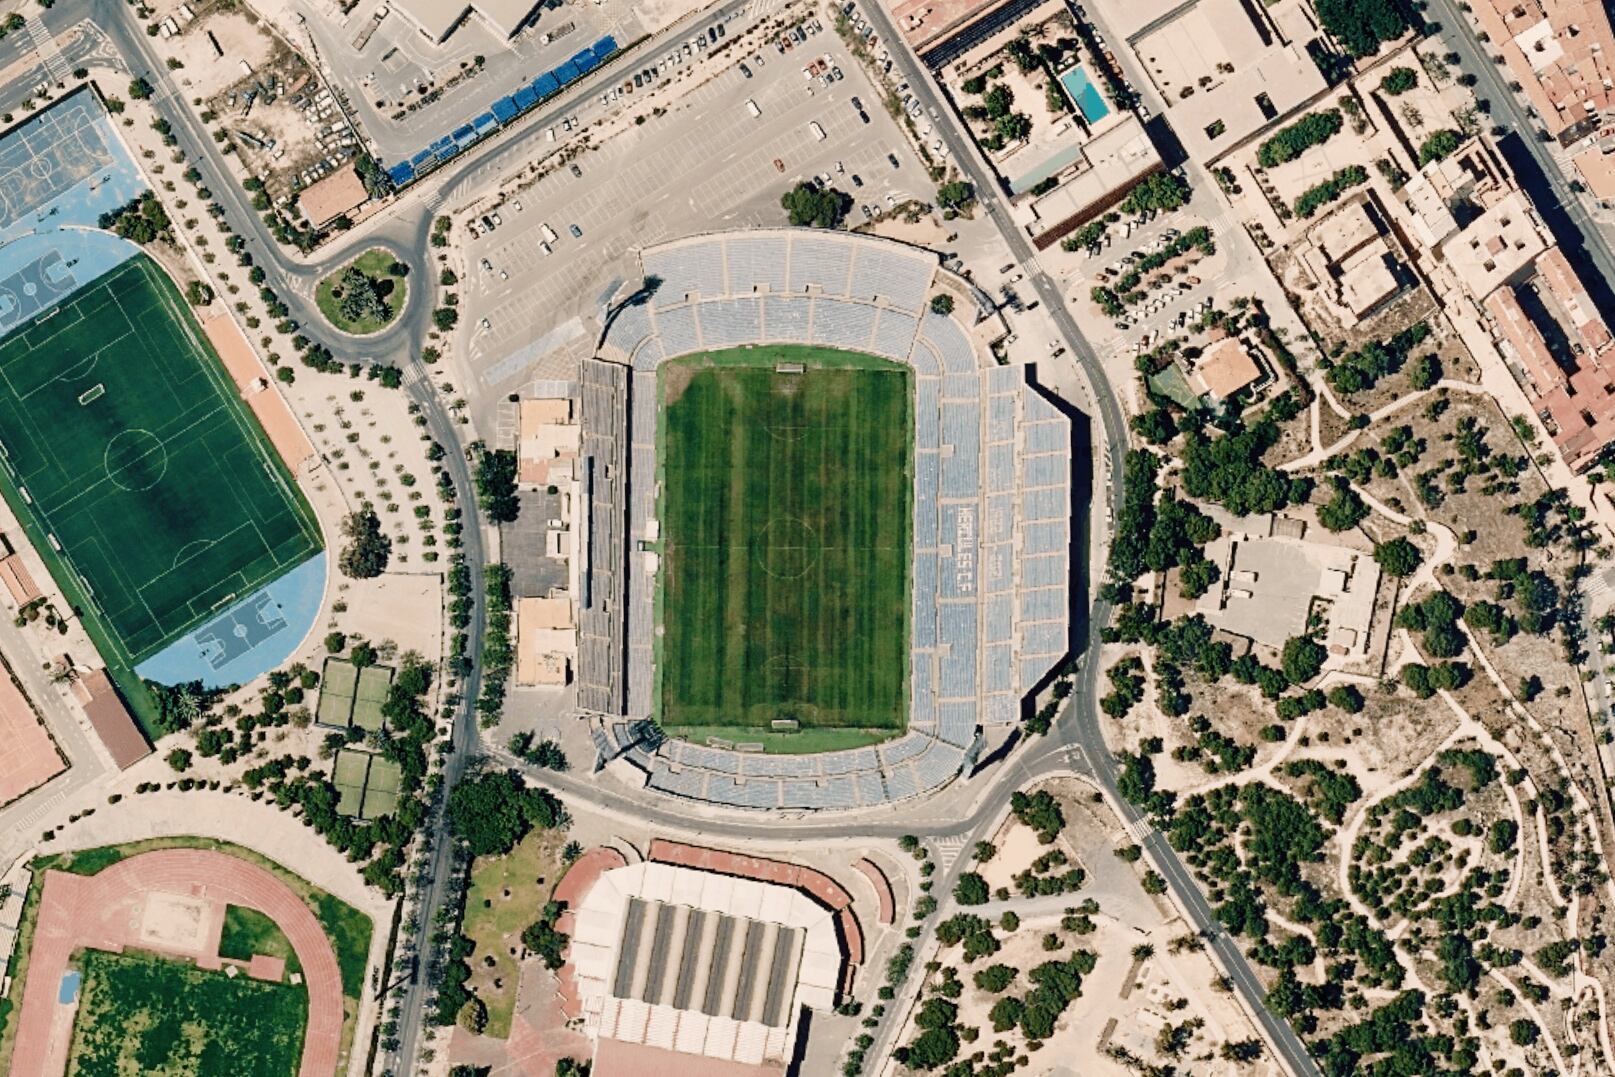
1399,80
957,195
1399,557
445,318
493,811
1524,1031
335,641
1303,659
1347,698
1440,144
140,89
971,889
571,1067
1345,510
994,979
368,549
180,759
810,204
942,303
1288,143
1015,127
359,297
1164,191
998,101
496,485
932,1048
1425,372
1361,25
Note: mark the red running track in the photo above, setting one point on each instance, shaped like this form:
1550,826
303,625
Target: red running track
102,912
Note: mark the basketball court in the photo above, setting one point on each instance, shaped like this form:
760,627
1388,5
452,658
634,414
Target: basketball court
48,155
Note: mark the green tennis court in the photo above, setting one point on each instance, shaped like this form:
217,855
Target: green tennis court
337,683
381,789
135,466
348,775
374,681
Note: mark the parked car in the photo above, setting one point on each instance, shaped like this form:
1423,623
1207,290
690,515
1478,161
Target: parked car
577,233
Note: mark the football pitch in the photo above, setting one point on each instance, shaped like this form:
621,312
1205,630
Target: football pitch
139,473
786,525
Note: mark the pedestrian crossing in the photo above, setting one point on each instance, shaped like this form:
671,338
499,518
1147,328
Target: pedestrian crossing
45,44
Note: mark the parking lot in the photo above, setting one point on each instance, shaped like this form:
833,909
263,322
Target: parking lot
709,163
1165,312
383,64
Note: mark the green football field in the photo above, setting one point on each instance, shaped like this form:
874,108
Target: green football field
786,531
142,1013
149,485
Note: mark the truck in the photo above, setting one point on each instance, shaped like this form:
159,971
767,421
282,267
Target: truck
818,132
549,233
751,107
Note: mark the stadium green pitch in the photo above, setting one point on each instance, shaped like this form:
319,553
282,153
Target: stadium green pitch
136,468
786,515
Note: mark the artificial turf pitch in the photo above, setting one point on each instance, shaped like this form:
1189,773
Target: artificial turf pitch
786,524
146,477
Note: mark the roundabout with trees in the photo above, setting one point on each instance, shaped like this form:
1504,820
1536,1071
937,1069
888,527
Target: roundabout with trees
366,295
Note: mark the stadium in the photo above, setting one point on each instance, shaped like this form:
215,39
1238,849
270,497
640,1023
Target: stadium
829,536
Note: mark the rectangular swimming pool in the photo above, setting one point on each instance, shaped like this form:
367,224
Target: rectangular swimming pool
1084,94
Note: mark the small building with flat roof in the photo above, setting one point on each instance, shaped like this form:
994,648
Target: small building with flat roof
110,719
1274,583
1498,247
1226,70
19,583
546,641
1225,368
1099,174
324,200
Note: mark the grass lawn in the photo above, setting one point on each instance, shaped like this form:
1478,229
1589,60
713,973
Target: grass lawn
505,896
152,494
376,264
141,1013
248,932
786,509
347,928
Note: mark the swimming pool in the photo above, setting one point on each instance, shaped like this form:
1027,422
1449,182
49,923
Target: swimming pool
1084,94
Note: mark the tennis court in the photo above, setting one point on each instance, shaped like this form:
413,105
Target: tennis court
366,784
348,775
135,466
374,681
338,681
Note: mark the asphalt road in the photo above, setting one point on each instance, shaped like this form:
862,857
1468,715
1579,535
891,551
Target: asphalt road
1080,725
403,229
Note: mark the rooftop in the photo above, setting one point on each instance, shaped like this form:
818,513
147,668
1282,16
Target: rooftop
327,199
1562,52
1273,581
1226,72
1227,367
110,719
1497,246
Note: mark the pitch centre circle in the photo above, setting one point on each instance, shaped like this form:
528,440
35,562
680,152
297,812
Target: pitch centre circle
136,460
